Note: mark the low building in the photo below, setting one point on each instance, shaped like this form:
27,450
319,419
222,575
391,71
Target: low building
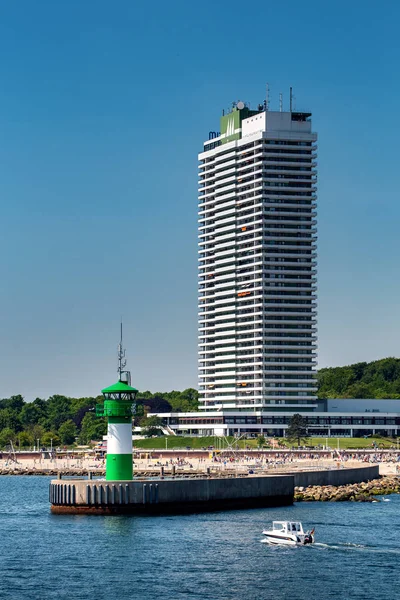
330,418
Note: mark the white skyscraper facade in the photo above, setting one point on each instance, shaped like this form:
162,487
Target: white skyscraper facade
257,264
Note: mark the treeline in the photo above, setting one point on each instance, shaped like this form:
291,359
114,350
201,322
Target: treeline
174,401
377,379
60,420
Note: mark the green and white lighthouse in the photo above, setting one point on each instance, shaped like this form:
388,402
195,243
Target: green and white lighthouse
119,406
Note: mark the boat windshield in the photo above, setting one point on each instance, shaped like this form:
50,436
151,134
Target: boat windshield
286,526
279,525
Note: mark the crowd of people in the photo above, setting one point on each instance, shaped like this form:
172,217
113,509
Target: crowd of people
228,459
173,462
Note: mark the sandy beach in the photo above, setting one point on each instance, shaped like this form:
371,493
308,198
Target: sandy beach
186,463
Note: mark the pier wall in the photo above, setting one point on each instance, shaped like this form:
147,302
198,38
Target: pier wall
336,476
170,495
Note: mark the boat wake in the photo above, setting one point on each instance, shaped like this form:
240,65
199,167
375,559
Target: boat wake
348,546
339,547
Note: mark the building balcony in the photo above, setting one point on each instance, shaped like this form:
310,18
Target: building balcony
221,307
231,333
226,347
225,195
228,219
228,253
280,352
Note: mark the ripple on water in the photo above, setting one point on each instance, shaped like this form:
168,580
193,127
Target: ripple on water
216,556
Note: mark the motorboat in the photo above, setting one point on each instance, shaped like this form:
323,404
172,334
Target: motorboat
289,533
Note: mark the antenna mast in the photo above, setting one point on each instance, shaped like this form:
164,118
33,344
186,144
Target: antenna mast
121,353
267,97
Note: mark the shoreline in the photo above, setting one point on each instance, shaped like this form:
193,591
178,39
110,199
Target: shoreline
184,466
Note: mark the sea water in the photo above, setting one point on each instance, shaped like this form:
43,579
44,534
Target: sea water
208,556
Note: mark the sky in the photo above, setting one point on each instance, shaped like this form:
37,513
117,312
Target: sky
104,107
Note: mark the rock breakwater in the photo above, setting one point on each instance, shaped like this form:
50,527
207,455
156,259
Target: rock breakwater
355,492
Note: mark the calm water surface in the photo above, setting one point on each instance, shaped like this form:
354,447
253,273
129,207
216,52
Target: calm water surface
203,556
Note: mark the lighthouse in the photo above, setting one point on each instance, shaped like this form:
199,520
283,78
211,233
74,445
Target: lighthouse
119,406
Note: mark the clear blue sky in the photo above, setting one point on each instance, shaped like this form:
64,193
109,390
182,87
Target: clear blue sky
103,108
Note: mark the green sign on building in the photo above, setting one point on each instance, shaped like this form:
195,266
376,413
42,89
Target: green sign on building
229,124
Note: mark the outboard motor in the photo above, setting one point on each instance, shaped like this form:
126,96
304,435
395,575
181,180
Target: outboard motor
309,537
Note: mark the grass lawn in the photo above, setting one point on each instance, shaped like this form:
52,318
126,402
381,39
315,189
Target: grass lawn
347,443
171,442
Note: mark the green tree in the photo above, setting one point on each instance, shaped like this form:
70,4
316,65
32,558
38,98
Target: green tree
192,398
79,408
59,411
31,414
67,432
37,432
297,429
25,439
185,401
361,390
7,435
261,441
92,428
41,404
50,438
14,403
377,379
9,418
151,426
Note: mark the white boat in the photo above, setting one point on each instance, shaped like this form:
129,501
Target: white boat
289,533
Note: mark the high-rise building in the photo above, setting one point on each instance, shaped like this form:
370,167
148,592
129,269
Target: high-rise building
257,263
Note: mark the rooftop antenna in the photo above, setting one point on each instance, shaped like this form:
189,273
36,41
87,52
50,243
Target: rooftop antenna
121,353
267,97
280,102
291,99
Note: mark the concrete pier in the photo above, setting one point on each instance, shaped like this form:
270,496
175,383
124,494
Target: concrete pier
336,476
166,495
158,495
